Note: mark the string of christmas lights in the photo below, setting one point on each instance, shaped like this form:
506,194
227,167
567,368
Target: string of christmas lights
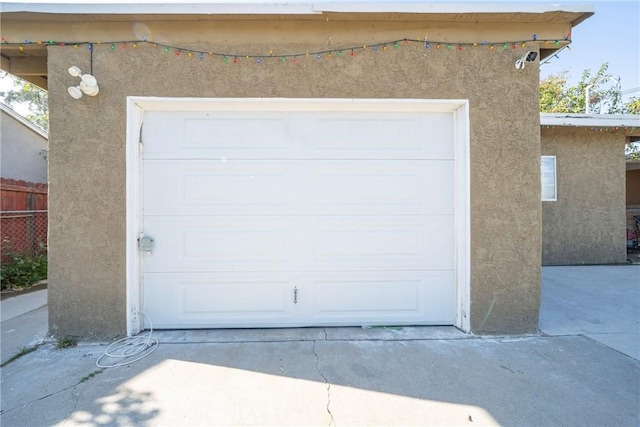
270,54
610,129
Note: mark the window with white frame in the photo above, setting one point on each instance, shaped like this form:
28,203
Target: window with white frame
548,176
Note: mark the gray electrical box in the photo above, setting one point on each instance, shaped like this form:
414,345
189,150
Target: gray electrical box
145,243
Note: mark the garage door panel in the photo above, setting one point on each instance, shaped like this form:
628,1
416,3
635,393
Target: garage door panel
377,298
379,187
183,187
396,243
250,187
221,244
297,135
176,134
176,300
300,243
364,133
205,300
237,133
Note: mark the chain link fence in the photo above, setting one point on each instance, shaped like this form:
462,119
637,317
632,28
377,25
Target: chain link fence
23,233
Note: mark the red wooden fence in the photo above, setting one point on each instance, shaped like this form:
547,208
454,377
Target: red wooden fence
23,217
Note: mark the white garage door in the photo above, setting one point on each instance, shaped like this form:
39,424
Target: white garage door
298,218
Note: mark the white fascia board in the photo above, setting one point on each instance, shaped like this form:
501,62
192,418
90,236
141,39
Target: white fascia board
165,8
590,120
291,7
449,7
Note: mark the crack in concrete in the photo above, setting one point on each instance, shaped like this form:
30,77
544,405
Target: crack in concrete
24,405
332,422
72,388
75,404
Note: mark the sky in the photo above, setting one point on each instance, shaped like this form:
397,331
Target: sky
612,35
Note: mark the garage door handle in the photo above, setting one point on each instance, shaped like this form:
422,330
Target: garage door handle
295,295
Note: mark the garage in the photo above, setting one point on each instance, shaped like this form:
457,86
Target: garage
289,213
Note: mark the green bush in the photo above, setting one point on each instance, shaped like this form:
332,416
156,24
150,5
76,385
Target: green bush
22,270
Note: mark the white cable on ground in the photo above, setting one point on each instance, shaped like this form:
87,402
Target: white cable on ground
129,349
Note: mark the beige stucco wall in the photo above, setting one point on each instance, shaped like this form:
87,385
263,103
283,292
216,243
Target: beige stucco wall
87,159
586,225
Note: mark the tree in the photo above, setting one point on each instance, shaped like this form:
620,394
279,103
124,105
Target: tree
556,96
30,96
633,106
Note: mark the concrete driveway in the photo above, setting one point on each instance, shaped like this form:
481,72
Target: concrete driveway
599,302
354,376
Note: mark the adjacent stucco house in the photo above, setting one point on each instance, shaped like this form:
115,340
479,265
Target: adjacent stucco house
583,194
268,164
23,151
633,200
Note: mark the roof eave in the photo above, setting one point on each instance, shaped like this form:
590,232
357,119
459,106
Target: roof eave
596,120
297,7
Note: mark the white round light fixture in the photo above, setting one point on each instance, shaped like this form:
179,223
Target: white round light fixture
75,92
75,71
88,84
91,90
